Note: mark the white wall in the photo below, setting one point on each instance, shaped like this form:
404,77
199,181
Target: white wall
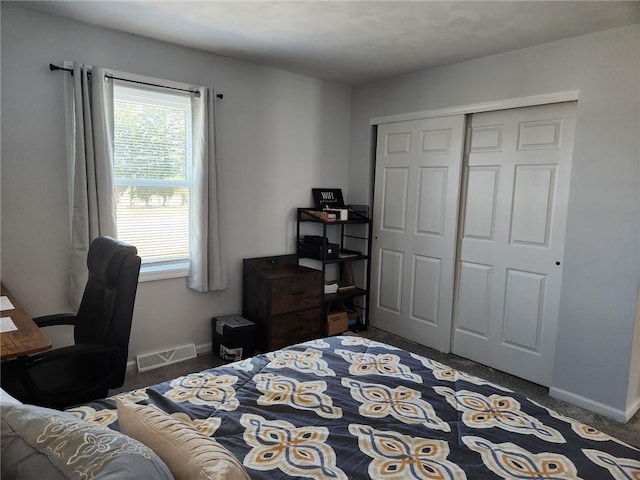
601,264
633,395
280,135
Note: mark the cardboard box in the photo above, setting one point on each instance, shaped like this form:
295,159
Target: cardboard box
337,322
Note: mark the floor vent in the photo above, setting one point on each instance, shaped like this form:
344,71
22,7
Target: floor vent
149,361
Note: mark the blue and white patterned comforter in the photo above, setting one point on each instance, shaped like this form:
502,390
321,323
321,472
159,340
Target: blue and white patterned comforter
347,408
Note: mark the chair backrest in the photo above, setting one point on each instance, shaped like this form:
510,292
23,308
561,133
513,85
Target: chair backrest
106,310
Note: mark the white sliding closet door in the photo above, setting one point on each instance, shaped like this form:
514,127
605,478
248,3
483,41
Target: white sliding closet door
417,191
512,238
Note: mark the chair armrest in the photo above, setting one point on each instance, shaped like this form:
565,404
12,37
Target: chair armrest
56,319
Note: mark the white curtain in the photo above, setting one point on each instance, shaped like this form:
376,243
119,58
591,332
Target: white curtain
208,268
93,200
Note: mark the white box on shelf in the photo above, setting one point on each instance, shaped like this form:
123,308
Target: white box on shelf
340,213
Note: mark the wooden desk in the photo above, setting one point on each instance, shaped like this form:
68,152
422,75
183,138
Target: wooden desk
28,338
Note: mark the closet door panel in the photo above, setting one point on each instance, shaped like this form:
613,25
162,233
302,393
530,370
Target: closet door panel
416,199
517,168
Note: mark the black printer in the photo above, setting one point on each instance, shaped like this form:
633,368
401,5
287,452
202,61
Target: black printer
312,246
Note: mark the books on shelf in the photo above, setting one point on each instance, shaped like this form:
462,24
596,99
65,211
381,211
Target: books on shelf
343,287
330,288
348,253
335,287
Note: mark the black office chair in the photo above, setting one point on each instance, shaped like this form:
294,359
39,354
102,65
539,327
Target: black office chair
97,361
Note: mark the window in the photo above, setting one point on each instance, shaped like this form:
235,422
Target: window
153,175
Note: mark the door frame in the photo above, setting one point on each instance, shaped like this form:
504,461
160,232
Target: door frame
530,101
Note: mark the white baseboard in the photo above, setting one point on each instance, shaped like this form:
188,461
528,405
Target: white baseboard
204,348
622,416
132,366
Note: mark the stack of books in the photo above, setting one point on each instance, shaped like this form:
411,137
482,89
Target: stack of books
335,287
343,286
330,288
348,253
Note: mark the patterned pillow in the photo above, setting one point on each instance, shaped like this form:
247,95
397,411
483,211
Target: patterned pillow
189,454
48,444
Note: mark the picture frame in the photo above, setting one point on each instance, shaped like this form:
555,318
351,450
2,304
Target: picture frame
327,198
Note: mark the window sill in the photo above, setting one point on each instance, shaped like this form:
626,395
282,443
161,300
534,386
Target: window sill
149,273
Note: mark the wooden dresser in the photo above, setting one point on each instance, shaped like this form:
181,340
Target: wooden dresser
283,299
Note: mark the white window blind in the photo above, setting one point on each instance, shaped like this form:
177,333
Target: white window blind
153,172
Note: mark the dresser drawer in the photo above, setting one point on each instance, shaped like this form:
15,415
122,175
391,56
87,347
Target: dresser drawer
294,328
295,293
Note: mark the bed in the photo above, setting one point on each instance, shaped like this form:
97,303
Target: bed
347,407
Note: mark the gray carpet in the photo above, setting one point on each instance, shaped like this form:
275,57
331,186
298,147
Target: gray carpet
629,432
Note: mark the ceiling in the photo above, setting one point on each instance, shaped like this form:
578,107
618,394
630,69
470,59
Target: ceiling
353,42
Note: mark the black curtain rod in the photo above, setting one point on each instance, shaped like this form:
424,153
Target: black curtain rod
53,68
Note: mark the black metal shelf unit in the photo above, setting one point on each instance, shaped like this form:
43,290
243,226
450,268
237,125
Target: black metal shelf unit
356,296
